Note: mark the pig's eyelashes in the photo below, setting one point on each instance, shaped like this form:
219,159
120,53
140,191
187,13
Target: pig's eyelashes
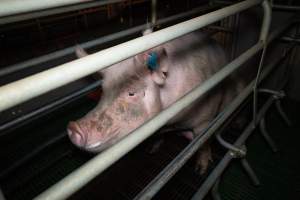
131,94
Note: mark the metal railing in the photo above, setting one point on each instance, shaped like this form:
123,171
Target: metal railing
105,39
9,7
17,92
54,11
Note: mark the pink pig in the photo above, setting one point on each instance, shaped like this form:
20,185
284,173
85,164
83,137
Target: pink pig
133,93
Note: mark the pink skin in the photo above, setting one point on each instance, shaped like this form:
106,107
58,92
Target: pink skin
132,94
100,129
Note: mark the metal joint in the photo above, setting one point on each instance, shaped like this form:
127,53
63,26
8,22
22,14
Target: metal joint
276,94
239,152
235,152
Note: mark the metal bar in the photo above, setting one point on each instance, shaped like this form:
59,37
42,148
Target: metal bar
290,39
46,109
266,135
208,183
43,13
266,21
13,7
67,51
286,8
1,195
282,113
215,194
250,172
274,6
227,145
154,13
158,182
17,92
263,36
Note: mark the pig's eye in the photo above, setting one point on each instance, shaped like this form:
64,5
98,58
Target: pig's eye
131,94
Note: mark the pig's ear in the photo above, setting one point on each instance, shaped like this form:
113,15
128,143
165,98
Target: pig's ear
160,74
80,52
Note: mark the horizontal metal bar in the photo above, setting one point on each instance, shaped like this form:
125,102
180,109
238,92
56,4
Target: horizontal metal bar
105,39
43,13
289,39
46,109
274,6
13,7
285,7
17,92
158,182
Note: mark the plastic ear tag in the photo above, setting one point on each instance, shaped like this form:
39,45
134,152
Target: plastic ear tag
152,61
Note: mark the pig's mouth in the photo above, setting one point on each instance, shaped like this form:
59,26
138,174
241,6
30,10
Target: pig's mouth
101,146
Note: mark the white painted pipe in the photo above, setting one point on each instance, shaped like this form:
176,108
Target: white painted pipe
67,51
53,11
13,7
20,91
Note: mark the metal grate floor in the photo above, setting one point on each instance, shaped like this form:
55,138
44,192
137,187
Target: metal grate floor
278,172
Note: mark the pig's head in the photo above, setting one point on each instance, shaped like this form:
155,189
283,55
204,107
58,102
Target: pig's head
131,96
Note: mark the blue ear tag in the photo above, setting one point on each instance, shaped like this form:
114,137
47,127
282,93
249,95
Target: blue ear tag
152,61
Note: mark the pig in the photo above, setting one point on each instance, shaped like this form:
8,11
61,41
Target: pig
134,91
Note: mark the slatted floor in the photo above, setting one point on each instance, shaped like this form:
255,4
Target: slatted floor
278,172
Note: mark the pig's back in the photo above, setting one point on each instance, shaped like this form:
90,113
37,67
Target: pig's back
194,58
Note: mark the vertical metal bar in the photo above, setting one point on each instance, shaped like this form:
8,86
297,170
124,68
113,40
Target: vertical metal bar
282,113
250,172
265,134
154,13
263,37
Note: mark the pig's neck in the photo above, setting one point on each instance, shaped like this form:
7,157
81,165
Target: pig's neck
180,81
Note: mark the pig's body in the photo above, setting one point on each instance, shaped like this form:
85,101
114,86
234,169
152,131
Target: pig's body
132,94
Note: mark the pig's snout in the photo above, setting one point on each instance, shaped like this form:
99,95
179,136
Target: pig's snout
76,135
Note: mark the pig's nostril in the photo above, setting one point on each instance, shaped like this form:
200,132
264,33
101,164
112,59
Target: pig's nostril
75,134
